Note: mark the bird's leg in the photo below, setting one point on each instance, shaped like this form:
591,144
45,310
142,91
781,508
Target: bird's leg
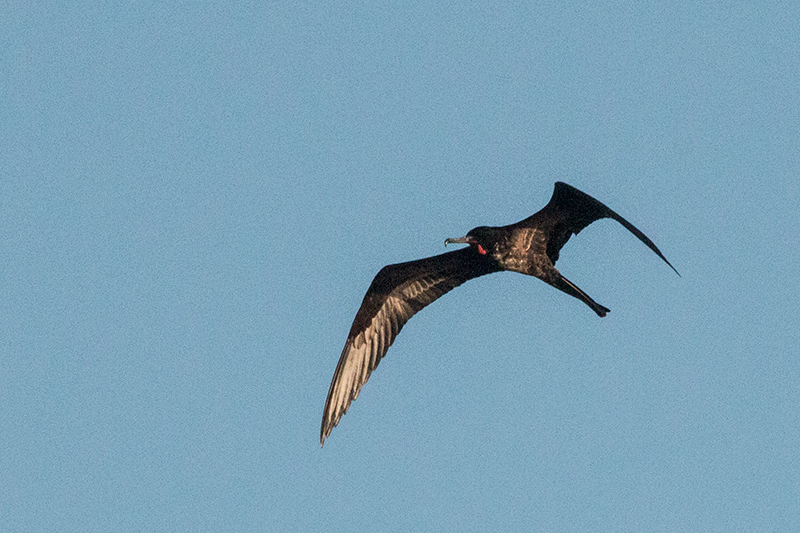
558,281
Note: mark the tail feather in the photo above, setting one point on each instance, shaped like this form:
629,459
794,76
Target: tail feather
563,284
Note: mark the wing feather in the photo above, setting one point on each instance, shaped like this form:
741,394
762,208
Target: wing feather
569,211
396,294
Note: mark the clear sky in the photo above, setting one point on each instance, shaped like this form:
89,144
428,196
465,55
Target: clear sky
195,196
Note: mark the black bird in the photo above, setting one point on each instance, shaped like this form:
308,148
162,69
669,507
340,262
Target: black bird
399,291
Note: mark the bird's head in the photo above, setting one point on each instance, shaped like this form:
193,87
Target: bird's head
480,238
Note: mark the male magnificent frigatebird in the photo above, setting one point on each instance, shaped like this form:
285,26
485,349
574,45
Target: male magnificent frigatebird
399,291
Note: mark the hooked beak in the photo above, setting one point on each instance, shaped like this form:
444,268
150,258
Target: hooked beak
461,240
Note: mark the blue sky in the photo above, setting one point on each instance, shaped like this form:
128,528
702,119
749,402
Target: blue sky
194,198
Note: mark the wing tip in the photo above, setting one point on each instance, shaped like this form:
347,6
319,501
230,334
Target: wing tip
674,269
659,254
325,431
329,421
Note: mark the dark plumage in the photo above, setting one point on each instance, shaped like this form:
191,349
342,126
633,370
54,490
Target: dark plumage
530,246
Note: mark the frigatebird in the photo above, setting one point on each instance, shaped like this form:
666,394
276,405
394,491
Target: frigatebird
530,246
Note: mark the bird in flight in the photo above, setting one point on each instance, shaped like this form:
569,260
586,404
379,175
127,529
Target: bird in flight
530,246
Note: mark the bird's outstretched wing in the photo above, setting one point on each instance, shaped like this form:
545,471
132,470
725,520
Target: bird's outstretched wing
571,210
395,295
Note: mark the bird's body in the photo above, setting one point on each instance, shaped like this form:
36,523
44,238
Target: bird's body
398,291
